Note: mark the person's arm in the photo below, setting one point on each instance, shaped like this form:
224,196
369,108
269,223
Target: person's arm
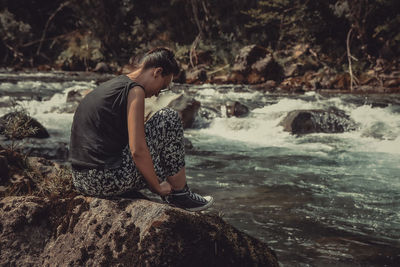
137,141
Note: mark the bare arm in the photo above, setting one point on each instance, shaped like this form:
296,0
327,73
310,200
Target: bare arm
137,141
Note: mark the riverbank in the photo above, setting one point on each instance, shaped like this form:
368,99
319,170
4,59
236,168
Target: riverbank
296,71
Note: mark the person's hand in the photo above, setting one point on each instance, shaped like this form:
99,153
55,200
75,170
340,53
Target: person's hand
165,189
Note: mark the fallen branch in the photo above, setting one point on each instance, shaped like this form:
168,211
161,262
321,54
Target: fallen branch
47,39
217,70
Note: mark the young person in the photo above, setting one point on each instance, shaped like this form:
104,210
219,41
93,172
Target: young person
113,150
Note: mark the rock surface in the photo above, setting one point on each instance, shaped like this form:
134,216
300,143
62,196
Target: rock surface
254,65
85,231
317,121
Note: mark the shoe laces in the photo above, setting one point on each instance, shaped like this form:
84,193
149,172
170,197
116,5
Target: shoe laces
195,196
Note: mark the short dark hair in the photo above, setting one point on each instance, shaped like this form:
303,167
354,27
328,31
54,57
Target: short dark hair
160,57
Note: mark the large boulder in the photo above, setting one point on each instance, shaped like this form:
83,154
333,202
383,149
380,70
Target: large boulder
332,120
247,56
186,106
85,231
19,125
254,65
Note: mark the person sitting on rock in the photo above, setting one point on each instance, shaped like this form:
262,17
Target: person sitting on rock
114,151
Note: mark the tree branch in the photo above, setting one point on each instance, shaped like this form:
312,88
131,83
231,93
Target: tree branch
48,23
353,79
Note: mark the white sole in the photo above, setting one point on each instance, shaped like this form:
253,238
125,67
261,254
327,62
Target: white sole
210,201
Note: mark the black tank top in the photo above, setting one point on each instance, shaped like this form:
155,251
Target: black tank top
99,129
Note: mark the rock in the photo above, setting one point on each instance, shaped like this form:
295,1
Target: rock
294,69
85,231
254,65
269,85
203,57
186,106
236,78
188,144
220,79
205,116
77,95
181,77
299,50
44,67
268,69
247,56
196,75
317,121
101,67
340,81
234,108
22,122
395,82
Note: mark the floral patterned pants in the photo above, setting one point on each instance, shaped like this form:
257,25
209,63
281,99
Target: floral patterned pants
164,137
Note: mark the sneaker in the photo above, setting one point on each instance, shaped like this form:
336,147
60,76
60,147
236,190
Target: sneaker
186,199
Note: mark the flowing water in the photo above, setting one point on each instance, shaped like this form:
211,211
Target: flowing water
317,199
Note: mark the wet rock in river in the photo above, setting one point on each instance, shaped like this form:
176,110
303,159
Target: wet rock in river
88,231
188,144
186,106
19,125
236,109
77,95
332,120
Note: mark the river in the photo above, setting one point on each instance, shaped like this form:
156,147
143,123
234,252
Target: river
317,199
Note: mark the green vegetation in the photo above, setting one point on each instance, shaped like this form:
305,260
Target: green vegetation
77,34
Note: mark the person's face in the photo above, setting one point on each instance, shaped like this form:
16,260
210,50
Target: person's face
159,82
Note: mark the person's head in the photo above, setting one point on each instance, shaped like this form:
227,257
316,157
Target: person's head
159,66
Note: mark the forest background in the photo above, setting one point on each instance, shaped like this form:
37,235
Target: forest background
352,37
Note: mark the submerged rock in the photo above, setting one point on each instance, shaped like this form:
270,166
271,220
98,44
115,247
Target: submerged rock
86,231
332,120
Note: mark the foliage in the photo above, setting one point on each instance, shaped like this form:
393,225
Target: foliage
81,48
14,34
87,31
58,184
17,126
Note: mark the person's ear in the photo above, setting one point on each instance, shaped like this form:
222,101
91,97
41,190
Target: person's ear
158,71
